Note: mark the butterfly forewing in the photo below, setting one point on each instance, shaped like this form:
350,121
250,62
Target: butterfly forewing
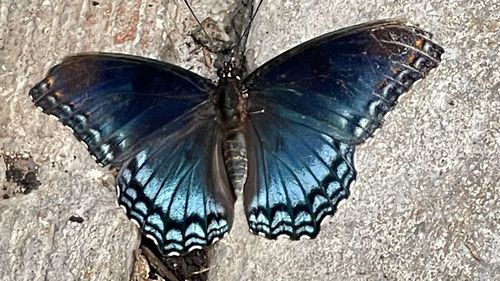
112,102
345,81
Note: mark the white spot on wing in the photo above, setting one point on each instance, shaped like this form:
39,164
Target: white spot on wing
95,135
51,100
135,222
152,238
418,63
387,89
372,109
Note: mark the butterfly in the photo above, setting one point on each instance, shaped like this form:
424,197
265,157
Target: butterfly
283,136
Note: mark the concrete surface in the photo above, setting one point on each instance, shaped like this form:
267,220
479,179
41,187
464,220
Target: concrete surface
426,202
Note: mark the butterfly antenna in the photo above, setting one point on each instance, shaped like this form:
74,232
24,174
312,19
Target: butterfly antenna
197,20
244,35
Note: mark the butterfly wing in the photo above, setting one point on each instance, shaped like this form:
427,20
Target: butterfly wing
176,188
345,81
153,120
309,107
297,175
113,101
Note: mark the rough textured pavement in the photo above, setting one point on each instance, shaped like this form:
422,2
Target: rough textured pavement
426,202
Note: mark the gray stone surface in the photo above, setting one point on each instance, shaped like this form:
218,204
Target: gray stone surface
426,203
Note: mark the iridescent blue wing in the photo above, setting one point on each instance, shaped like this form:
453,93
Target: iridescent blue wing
112,102
176,187
297,175
345,81
310,105
153,120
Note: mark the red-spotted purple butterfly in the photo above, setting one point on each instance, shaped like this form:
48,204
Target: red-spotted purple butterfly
284,135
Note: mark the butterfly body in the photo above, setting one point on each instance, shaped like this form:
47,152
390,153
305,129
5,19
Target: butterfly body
284,135
232,104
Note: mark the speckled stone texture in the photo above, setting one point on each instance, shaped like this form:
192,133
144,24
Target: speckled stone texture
426,202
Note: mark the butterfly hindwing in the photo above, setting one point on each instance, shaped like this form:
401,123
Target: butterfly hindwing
310,106
345,81
114,101
176,188
297,176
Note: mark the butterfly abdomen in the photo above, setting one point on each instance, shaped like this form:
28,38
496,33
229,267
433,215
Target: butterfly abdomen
231,102
235,159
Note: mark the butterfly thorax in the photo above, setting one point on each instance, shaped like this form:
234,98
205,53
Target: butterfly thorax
231,102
